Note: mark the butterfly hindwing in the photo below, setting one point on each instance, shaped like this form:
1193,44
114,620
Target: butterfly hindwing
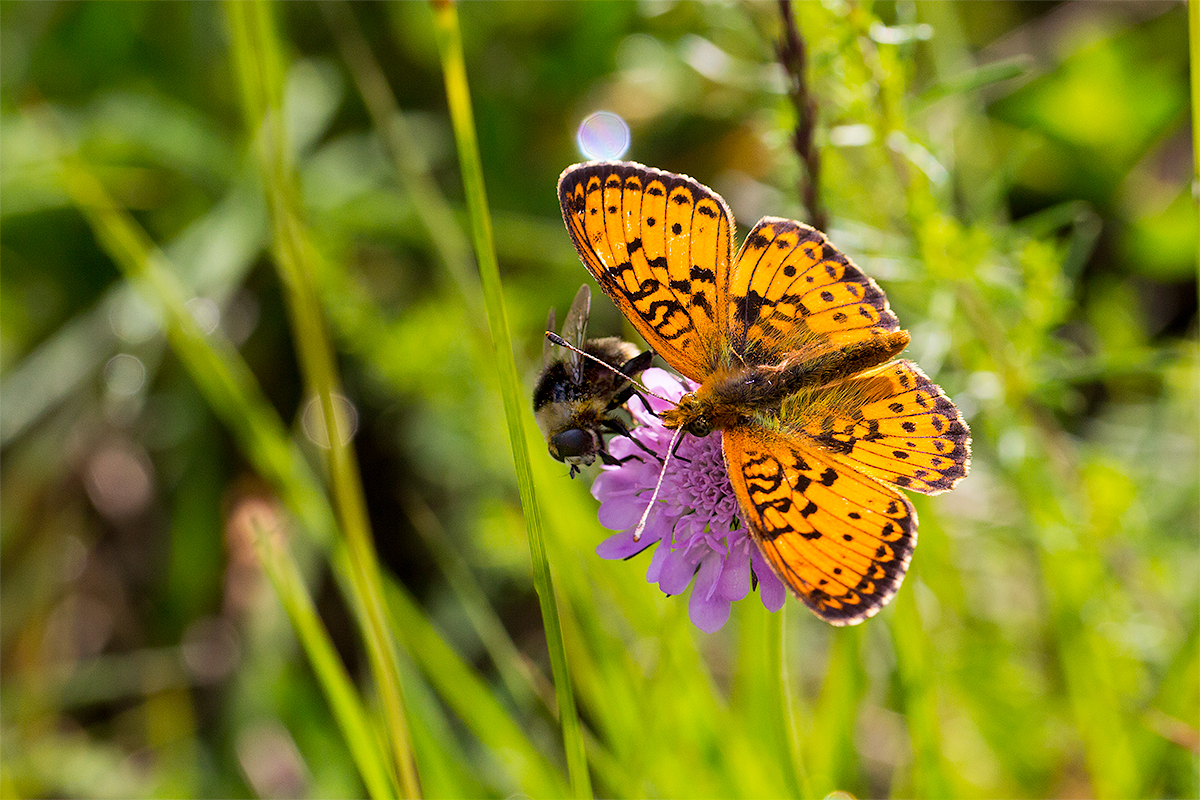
791,290
838,538
659,245
891,422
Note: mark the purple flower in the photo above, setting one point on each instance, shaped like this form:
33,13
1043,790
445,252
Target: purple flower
696,515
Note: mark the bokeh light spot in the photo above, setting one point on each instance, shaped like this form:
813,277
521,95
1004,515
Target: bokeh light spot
206,313
125,374
313,421
603,136
119,481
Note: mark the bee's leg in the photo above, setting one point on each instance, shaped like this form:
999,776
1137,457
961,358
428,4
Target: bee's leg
638,363
609,460
620,398
646,404
630,368
618,427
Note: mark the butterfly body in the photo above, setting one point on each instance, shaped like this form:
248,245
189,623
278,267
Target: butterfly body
734,395
575,399
791,345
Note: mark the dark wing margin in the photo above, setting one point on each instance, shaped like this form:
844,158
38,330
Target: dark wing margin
839,539
658,244
791,290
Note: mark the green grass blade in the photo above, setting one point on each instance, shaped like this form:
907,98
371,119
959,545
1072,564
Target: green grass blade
524,682
1194,69
462,119
230,389
830,756
435,214
473,700
347,707
259,66
785,696
917,673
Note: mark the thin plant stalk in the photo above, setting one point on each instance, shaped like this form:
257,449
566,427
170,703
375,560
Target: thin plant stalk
793,56
352,718
232,392
258,63
784,699
230,389
463,122
1194,63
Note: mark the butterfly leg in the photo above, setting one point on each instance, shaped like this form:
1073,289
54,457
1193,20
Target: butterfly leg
675,450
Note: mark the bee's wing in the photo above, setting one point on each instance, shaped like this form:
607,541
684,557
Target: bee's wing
575,329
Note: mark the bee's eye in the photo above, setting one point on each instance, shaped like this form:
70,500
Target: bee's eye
571,442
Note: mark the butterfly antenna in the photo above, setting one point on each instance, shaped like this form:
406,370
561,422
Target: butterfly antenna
561,342
641,526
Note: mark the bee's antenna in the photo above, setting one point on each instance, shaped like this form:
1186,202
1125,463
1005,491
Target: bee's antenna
641,526
561,342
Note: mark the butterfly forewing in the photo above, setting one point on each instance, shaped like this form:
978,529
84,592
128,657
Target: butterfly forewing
838,538
659,245
791,291
891,422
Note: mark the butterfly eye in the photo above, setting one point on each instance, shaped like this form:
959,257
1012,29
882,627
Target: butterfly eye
700,427
572,443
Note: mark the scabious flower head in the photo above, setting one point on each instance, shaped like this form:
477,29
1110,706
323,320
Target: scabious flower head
695,520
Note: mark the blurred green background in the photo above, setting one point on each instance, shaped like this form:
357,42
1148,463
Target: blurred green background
1016,176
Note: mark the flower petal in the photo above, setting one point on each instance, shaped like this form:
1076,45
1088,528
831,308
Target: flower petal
770,588
707,615
622,545
675,572
615,482
734,580
620,513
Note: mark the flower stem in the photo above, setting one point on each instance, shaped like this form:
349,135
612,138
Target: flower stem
785,700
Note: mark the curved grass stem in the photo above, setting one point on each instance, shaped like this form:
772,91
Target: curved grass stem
463,122
259,66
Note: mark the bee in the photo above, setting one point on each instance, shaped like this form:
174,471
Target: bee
577,400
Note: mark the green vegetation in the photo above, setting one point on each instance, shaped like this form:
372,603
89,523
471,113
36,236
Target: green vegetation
230,233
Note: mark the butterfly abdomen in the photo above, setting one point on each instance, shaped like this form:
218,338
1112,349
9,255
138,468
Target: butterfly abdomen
799,372
734,395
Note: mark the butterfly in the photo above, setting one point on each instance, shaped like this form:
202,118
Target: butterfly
575,400
792,347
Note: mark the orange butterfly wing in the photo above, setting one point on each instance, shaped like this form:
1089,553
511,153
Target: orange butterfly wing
891,422
817,491
791,291
660,246
839,538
